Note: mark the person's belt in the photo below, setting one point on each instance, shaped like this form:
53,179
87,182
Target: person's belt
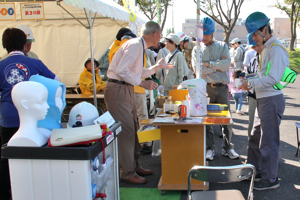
214,85
117,81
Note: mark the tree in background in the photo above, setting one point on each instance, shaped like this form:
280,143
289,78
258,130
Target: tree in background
149,8
292,9
226,13
170,30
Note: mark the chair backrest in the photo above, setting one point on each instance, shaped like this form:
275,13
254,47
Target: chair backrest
78,90
222,174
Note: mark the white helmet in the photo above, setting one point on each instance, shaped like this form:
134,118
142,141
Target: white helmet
82,114
27,32
181,35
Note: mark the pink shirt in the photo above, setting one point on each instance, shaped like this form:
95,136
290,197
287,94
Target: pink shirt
127,63
233,88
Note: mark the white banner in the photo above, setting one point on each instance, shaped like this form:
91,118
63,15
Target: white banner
32,11
7,11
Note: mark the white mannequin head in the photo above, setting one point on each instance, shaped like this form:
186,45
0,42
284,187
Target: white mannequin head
30,99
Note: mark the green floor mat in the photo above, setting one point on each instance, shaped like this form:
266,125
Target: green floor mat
148,194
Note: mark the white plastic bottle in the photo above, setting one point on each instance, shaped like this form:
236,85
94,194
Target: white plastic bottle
187,104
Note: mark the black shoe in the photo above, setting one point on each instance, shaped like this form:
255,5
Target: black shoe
256,179
146,149
266,185
221,135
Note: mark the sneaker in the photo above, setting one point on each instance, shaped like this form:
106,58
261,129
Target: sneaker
210,154
230,153
240,112
266,185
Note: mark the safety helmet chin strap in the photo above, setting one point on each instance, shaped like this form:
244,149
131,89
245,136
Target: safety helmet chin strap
264,36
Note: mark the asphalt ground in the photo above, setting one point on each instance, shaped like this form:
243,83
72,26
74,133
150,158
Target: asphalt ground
289,171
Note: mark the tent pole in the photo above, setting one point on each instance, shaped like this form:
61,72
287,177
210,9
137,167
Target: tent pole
58,3
198,61
92,58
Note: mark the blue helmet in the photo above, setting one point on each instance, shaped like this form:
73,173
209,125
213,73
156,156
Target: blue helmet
251,42
208,26
255,21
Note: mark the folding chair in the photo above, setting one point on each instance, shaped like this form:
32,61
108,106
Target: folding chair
77,90
221,174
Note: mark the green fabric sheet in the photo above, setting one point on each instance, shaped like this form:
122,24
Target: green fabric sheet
148,194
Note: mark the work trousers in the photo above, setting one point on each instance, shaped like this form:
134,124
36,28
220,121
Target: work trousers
120,102
263,150
5,134
219,95
251,111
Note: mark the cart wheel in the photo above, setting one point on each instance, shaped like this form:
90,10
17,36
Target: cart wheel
163,192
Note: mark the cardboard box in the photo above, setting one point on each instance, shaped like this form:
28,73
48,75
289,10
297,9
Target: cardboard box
159,101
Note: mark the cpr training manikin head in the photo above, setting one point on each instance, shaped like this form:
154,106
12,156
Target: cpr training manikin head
56,100
30,99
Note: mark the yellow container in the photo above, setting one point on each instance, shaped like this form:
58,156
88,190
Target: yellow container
150,135
178,95
220,113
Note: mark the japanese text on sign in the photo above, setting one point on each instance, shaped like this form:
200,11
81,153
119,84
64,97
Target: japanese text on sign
7,11
32,11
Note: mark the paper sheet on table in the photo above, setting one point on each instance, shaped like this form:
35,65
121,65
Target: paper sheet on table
164,120
191,120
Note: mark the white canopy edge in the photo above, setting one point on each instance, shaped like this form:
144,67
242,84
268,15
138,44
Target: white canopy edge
106,8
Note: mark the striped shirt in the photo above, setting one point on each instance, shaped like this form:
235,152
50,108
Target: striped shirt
127,63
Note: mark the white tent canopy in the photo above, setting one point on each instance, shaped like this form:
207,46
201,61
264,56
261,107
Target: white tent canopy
63,44
105,8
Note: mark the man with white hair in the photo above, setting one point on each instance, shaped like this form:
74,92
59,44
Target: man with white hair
29,40
126,71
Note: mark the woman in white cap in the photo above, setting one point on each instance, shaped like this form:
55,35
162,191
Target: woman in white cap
238,54
180,71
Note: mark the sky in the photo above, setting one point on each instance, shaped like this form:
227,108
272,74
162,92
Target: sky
186,9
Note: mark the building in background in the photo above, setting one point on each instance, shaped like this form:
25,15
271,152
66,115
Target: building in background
239,30
281,27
